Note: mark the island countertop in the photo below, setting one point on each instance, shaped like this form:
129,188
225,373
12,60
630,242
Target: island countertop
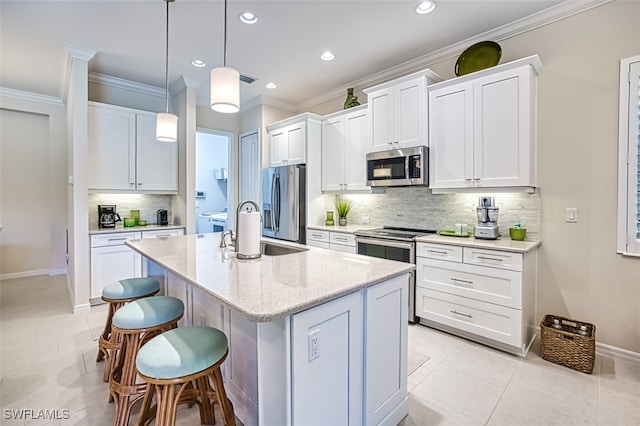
269,287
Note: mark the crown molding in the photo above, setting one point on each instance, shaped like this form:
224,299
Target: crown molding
73,52
537,20
265,100
121,83
29,96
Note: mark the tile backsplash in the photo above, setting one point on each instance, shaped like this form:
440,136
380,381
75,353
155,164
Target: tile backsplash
146,203
417,207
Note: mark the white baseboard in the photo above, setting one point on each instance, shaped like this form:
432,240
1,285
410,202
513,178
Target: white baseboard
81,308
618,353
34,273
24,274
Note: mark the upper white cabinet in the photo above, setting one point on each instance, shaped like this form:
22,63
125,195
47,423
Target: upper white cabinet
482,128
124,154
398,111
288,140
345,141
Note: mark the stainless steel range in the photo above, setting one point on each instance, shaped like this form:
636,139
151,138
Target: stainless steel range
394,244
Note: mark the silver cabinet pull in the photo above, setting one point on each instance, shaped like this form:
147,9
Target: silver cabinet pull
341,239
163,236
461,281
437,252
117,239
461,314
490,258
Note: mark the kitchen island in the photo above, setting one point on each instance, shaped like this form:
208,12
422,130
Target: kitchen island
315,336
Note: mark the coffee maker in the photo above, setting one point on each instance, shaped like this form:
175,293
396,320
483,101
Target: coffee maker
487,227
107,216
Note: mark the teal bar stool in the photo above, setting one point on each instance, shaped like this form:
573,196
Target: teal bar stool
117,295
134,324
179,367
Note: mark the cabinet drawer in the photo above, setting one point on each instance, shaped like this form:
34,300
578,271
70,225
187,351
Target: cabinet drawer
315,235
342,238
162,233
342,248
486,284
320,244
117,238
493,258
494,322
439,251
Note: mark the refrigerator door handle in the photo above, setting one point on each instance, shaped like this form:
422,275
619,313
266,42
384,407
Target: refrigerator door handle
276,204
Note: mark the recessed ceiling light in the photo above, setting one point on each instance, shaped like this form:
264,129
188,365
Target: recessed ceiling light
198,63
270,85
327,56
425,7
248,18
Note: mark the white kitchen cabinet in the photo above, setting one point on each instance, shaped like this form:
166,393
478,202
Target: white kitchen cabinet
481,294
317,238
398,111
327,351
345,142
112,261
163,233
333,240
288,139
386,348
124,154
482,128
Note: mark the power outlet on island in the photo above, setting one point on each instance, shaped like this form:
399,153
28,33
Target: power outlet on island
314,345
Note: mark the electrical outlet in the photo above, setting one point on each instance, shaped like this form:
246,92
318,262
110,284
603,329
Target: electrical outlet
365,219
203,320
314,345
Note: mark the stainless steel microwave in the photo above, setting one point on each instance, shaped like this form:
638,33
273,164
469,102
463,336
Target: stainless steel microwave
398,167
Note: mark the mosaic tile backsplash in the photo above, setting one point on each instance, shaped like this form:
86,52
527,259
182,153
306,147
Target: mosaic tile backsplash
417,207
147,204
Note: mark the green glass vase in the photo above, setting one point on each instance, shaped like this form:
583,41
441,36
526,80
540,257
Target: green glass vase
349,98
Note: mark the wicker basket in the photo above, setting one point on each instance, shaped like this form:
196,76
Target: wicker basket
567,346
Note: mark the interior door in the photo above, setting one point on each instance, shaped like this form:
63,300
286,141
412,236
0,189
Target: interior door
250,166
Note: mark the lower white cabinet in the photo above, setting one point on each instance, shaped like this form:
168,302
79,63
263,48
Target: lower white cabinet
481,294
338,241
112,261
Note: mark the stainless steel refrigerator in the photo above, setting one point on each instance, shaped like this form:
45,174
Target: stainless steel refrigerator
284,209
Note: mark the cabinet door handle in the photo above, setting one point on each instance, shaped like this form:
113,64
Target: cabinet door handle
132,183
316,235
163,235
490,258
458,280
437,251
341,239
461,314
117,239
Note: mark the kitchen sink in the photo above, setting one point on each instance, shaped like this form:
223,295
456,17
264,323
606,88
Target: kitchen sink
271,249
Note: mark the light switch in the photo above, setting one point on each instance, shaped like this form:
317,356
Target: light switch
571,214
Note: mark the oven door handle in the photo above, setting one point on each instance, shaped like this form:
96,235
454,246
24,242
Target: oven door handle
385,243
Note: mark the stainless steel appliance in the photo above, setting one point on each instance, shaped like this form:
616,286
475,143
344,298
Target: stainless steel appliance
398,167
284,208
393,244
487,227
162,217
107,216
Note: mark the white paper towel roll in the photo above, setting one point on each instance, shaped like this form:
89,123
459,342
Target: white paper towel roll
249,233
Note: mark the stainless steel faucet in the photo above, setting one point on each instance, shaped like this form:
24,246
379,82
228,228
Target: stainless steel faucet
223,240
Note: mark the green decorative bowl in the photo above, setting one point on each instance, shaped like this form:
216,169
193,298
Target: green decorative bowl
129,221
518,234
485,54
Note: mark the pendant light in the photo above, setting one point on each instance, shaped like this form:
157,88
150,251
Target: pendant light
166,123
225,82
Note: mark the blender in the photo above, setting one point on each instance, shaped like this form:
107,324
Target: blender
487,227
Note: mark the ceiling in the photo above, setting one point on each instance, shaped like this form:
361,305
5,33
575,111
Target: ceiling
368,37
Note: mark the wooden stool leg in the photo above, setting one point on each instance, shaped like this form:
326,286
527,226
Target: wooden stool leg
106,334
146,413
207,413
226,408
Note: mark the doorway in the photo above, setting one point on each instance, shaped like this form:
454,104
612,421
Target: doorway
212,180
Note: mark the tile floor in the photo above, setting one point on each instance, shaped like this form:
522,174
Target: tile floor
47,360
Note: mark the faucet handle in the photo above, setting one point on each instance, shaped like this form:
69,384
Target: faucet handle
223,240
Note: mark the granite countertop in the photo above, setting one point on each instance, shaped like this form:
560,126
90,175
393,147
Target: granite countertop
120,228
348,229
270,287
502,243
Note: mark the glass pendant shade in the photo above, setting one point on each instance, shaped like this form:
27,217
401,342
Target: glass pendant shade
225,90
167,127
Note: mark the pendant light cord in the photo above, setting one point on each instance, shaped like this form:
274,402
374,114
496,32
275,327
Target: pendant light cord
166,67
224,60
